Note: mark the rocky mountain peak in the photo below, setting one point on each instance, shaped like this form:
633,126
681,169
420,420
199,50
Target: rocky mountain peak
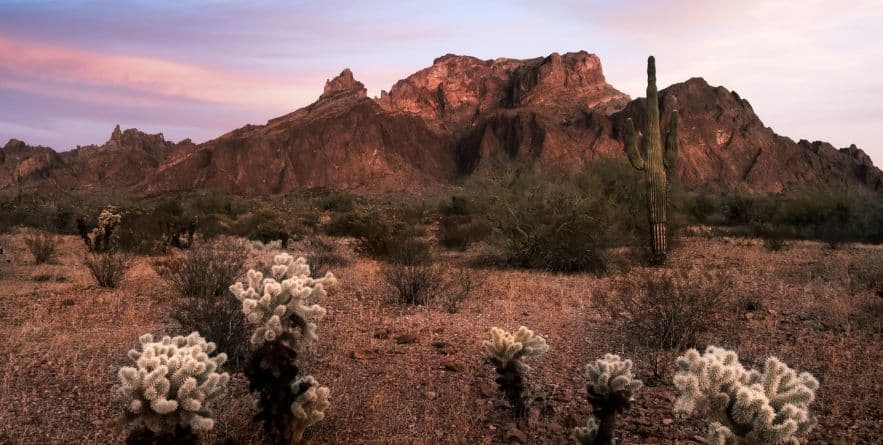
344,84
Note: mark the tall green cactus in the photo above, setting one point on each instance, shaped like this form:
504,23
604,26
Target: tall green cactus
654,162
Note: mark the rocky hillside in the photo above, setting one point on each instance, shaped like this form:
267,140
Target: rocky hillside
446,121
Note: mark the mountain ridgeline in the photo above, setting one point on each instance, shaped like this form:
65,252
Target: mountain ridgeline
448,121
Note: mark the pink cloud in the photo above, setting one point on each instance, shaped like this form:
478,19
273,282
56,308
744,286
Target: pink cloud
41,68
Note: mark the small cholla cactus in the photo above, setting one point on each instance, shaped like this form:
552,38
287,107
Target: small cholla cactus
744,406
169,390
101,238
279,304
282,306
310,403
506,352
611,387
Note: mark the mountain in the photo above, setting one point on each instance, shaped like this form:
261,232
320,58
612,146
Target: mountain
447,121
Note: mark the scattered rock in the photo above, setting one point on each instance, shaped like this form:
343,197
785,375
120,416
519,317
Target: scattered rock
405,339
513,434
453,366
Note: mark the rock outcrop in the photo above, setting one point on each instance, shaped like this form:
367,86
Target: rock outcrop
446,121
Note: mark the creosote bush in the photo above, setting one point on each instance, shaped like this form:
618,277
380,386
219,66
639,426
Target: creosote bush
744,406
324,256
282,306
108,268
168,391
203,303
41,245
507,351
667,310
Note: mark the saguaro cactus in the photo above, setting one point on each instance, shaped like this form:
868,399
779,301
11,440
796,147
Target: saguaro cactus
654,162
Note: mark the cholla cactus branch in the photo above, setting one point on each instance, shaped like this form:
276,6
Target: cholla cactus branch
506,352
101,238
610,387
280,304
745,406
310,403
172,383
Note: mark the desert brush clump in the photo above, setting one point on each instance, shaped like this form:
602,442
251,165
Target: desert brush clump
169,389
282,307
41,245
654,162
744,406
102,237
507,351
610,387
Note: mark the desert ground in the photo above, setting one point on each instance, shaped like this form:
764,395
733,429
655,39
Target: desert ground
415,374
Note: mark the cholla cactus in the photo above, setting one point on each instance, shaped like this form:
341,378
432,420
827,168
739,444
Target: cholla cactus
101,238
283,306
744,406
309,405
506,352
173,382
611,387
280,304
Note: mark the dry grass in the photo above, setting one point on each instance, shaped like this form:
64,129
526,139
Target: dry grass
414,374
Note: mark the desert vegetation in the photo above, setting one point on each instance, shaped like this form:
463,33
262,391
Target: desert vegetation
411,292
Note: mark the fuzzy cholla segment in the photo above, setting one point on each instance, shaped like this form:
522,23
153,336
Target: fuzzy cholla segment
309,407
586,435
612,375
174,379
745,406
507,349
280,303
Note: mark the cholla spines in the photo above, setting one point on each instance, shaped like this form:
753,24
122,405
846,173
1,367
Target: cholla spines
654,162
611,387
744,406
174,380
309,406
101,238
506,352
506,349
279,304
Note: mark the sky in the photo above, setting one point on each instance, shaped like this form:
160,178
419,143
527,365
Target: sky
71,70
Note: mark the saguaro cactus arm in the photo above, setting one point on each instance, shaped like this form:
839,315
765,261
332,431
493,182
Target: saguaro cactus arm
631,148
671,142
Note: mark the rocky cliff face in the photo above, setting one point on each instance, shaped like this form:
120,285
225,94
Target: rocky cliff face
448,120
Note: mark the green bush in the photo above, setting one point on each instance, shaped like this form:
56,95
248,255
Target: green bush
268,224
337,202
460,231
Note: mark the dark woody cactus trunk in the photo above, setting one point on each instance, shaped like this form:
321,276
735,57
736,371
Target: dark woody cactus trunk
654,162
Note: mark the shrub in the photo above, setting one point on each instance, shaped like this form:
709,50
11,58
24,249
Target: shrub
324,256
669,311
415,283
108,268
700,208
337,202
610,388
266,225
168,392
203,302
459,232
506,352
744,406
282,306
458,205
41,245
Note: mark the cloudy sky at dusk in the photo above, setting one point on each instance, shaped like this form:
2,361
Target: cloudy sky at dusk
70,70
